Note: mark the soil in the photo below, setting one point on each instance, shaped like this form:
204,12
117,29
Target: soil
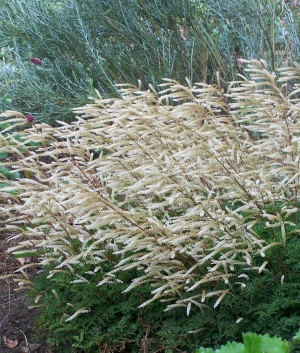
18,333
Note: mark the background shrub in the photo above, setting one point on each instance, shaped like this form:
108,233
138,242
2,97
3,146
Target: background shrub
83,45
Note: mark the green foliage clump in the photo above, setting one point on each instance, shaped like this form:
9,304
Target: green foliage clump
88,45
266,305
108,319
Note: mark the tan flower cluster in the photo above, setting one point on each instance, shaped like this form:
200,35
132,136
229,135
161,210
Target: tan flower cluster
173,183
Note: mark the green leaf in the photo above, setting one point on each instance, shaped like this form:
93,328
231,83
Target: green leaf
79,338
257,343
232,347
297,336
8,174
3,155
33,144
3,185
274,344
4,126
252,342
6,98
13,175
204,350
4,170
25,254
20,137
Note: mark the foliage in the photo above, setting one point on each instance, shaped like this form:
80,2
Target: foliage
265,305
9,150
269,303
113,322
189,196
252,343
5,172
88,45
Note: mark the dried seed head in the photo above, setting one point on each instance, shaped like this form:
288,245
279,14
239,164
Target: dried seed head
240,62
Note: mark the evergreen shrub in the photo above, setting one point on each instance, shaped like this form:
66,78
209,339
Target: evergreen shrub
188,197
59,51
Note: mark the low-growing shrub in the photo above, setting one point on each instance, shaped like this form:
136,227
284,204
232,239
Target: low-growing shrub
191,196
114,321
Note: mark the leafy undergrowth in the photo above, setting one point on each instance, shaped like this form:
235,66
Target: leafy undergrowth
267,305
114,322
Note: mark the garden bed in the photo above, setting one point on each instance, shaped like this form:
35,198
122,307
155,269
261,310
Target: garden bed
17,330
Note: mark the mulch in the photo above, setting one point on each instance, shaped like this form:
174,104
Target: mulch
17,330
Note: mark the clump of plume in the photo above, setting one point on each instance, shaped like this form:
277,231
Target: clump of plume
174,183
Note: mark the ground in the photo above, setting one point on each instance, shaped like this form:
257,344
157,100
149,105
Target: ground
17,331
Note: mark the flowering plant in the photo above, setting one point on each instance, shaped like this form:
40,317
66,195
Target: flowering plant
191,186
